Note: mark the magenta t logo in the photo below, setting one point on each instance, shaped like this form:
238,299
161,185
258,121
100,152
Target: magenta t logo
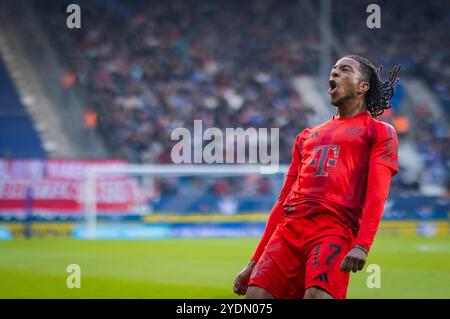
324,156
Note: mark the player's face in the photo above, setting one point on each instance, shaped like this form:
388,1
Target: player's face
344,80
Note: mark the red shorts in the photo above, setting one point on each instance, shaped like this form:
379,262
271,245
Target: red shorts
304,252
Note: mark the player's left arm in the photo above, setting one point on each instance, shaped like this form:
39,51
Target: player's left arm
382,166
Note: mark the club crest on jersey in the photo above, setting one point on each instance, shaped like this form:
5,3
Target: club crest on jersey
324,156
354,131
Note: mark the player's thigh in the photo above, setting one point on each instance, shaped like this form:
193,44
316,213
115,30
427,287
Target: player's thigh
317,293
323,267
255,292
280,270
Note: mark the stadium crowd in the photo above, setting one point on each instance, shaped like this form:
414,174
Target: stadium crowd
148,69
416,37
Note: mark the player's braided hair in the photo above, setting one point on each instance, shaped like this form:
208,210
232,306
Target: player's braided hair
380,92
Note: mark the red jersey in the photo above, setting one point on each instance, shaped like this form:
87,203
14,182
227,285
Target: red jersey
331,165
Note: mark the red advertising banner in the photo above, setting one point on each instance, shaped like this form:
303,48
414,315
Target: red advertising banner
57,188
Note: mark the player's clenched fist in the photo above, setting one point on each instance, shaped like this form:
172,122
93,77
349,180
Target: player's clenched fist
241,280
354,260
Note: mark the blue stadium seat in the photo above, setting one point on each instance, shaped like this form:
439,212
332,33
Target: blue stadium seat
18,138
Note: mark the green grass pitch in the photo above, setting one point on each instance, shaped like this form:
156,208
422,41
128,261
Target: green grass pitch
411,267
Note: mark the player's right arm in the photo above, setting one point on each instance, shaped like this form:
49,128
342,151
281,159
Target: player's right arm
276,215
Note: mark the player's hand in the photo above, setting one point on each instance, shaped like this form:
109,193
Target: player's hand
241,280
354,260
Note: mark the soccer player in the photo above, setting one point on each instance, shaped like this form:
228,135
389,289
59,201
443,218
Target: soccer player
326,217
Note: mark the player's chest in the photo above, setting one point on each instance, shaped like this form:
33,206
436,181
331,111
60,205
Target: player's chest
354,139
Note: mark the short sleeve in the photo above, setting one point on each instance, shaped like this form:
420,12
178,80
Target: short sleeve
385,147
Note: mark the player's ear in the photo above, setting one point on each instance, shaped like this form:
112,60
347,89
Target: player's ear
363,87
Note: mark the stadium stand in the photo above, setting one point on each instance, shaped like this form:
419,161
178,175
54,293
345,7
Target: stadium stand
146,70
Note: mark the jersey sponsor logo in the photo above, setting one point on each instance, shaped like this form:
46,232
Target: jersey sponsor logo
324,156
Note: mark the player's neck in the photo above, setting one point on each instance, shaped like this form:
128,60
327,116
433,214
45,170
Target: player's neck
351,108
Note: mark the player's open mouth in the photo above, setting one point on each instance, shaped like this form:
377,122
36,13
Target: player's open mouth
332,87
